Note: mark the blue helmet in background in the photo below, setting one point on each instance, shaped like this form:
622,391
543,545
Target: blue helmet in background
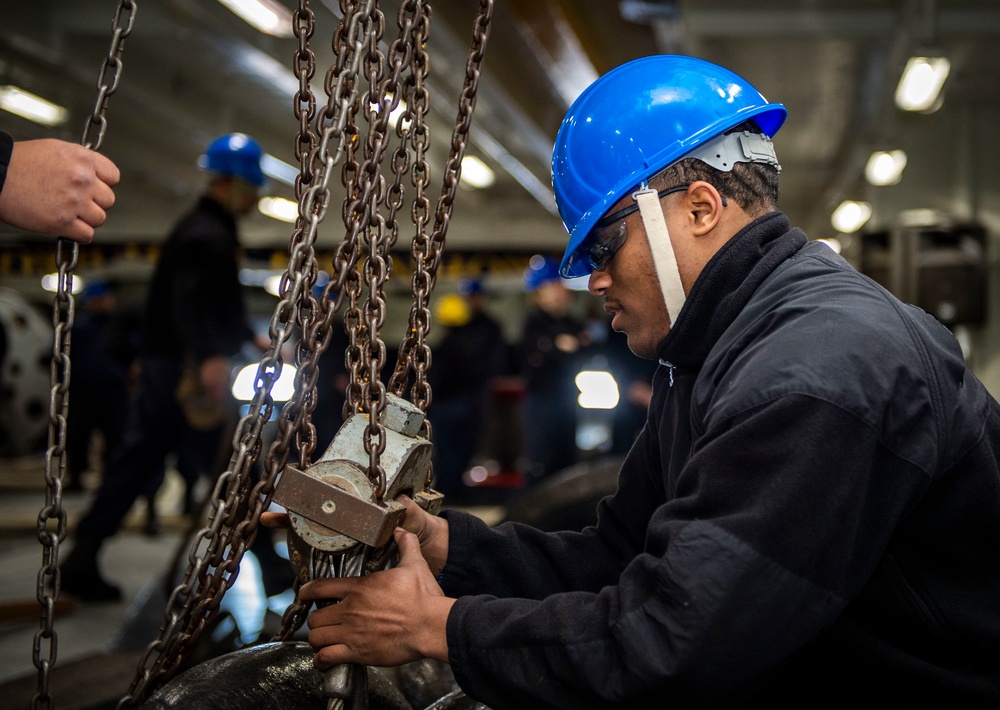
235,155
541,269
635,121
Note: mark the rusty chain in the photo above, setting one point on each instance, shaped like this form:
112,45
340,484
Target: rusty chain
414,352
45,645
215,553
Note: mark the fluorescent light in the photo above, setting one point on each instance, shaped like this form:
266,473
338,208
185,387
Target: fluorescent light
278,208
278,169
34,108
476,173
850,216
272,285
50,282
598,390
282,390
885,167
266,15
921,83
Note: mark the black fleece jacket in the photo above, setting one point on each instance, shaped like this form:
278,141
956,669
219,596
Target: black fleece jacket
810,518
195,306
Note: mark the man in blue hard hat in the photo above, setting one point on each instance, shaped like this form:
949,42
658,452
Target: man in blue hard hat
549,351
811,515
195,321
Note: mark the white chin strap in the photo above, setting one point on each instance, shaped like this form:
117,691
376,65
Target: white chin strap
664,260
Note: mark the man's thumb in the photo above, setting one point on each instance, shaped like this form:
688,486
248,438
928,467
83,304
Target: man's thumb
409,548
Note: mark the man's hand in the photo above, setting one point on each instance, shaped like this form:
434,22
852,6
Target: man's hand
384,619
213,374
431,531
57,188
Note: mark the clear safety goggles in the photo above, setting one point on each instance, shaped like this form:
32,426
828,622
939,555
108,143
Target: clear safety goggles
606,238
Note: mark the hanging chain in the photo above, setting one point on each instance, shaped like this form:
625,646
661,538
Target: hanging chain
412,21
236,507
414,352
45,646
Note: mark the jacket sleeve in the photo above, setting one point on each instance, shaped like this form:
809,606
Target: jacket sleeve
6,150
755,552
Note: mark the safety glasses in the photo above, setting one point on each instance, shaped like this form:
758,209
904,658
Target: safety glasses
610,232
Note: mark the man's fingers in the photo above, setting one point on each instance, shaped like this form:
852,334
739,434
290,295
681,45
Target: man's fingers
327,588
78,231
330,656
104,196
409,548
275,520
106,171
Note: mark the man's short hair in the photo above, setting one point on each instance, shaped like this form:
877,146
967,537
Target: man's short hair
753,186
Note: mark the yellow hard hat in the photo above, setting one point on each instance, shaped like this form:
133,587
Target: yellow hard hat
452,310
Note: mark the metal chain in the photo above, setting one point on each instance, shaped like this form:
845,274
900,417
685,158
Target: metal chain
236,507
216,552
412,20
414,352
341,88
45,646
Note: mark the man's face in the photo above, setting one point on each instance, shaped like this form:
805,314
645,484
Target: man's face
630,288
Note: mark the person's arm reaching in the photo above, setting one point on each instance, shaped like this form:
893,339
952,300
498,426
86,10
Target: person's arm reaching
54,187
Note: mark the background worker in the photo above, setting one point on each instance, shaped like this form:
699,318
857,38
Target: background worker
550,356
467,359
811,514
195,321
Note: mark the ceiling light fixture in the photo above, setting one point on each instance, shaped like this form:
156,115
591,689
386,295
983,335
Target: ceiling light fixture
268,16
278,208
919,87
34,108
850,216
278,169
885,167
476,174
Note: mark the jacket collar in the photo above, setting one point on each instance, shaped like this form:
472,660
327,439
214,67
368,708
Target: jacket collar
725,285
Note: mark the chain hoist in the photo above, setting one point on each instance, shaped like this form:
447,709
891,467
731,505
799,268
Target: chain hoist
45,646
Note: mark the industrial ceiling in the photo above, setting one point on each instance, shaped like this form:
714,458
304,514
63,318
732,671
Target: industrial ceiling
194,70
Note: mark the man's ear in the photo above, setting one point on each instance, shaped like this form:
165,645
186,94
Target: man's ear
705,207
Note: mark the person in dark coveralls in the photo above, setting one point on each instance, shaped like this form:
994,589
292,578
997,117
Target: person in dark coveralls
811,515
195,320
104,353
550,347
468,358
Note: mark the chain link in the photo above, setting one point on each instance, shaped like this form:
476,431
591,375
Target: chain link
215,553
45,645
414,352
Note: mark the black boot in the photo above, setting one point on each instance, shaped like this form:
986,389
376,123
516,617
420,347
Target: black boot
81,576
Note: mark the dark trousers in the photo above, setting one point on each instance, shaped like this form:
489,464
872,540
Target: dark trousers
155,428
549,433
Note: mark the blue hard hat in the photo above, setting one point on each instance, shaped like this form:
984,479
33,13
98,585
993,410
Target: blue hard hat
541,269
635,121
471,287
235,155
